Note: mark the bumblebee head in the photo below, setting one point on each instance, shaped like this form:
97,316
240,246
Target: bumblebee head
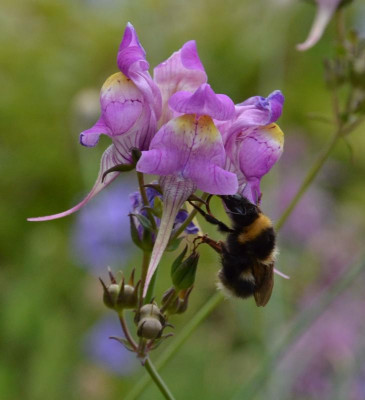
240,209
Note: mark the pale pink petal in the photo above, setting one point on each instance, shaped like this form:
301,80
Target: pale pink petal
157,162
213,179
203,102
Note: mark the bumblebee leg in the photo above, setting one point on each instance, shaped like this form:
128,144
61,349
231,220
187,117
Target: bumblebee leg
212,220
217,246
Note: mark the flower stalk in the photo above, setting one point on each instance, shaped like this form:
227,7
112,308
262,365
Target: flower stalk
151,369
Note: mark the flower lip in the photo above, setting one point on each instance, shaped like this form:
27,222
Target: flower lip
203,102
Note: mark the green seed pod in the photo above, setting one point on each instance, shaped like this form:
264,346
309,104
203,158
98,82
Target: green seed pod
149,328
110,295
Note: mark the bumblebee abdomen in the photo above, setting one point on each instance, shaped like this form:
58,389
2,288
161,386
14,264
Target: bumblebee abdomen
258,238
236,273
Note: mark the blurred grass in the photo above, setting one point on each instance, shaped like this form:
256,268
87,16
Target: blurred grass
49,52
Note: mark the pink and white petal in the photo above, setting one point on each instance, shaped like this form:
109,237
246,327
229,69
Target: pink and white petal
90,137
203,102
324,13
108,161
157,162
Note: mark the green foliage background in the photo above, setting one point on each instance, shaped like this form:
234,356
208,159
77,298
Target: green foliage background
49,52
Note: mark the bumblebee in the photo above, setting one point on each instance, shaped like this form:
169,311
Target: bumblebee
248,254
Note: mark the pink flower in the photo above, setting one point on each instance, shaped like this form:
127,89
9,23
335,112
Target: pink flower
131,105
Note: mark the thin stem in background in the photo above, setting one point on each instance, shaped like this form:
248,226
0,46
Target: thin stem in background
311,175
127,335
150,368
299,326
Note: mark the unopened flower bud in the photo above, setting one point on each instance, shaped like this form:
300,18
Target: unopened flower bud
120,296
183,271
128,297
150,310
183,300
149,328
110,295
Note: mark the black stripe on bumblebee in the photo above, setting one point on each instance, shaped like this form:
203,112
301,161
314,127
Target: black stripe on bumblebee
248,254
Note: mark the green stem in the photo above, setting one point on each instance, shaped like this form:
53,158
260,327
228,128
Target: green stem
308,180
150,368
125,329
180,339
299,326
191,216
145,262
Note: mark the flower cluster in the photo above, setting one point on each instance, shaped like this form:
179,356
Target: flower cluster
189,136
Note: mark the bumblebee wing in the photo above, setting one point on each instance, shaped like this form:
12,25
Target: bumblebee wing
264,277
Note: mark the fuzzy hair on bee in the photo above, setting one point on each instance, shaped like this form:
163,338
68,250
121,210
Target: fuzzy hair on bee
248,254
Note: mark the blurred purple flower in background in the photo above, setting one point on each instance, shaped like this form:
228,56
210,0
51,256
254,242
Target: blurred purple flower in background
108,352
327,350
101,235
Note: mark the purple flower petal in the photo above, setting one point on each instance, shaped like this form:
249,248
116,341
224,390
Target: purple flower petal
203,102
258,111
182,71
190,148
132,62
90,137
325,11
131,52
252,153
